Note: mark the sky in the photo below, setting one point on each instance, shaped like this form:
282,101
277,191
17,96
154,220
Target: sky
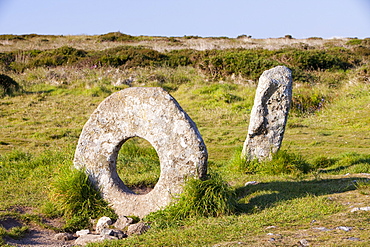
177,18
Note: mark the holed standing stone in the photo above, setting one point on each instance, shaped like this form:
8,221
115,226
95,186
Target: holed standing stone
152,114
269,114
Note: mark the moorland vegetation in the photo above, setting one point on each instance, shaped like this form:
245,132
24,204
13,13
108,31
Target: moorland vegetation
49,85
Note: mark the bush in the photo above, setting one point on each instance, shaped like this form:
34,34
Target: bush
129,56
5,60
315,60
248,63
177,58
64,55
354,42
8,85
116,36
11,37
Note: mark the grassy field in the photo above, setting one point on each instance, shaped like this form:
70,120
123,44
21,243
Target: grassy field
328,130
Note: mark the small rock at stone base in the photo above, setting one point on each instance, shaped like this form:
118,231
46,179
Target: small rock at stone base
64,236
303,242
123,222
106,231
91,238
103,222
82,232
113,232
137,229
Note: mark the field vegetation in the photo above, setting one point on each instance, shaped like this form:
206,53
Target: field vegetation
49,86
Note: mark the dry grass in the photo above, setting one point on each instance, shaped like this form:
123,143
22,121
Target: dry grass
162,44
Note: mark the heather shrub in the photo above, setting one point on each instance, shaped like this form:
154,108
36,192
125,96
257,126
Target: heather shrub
129,56
116,36
354,42
61,56
310,60
8,85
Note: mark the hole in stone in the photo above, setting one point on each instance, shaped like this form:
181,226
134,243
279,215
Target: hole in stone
138,165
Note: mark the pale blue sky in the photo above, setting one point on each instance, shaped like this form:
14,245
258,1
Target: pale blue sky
258,18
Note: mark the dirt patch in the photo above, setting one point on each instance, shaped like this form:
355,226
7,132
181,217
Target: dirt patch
36,235
9,222
141,190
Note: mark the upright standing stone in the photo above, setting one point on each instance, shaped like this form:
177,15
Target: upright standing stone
269,114
152,114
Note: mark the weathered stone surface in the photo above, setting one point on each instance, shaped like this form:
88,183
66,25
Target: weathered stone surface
137,229
113,232
82,232
152,114
123,222
103,222
269,114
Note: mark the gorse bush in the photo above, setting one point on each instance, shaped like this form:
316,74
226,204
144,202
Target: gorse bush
212,197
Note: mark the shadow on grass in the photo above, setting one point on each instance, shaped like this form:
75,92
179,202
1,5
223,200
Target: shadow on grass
355,161
39,92
265,195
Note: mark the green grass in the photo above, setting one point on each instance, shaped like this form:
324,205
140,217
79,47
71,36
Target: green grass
319,175
211,197
138,164
73,196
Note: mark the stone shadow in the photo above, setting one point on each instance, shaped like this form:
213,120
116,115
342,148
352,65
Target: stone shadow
287,190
